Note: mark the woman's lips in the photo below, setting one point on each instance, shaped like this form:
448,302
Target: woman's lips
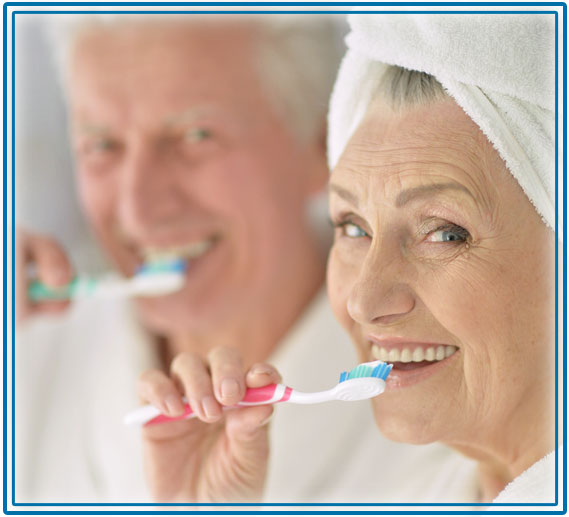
400,377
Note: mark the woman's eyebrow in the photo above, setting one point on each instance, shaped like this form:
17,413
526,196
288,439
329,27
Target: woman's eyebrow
405,196
343,193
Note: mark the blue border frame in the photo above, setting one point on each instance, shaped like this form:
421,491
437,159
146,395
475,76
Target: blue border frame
490,511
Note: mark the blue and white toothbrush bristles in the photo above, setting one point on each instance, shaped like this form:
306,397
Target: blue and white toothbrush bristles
163,266
381,371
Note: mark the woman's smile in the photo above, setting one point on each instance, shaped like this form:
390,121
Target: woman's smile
412,360
430,271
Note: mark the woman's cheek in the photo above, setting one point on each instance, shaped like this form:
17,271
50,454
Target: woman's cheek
464,299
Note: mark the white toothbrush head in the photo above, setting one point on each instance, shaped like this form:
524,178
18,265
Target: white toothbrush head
365,381
159,278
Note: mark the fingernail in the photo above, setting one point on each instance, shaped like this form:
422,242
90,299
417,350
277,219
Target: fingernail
210,407
174,405
229,388
267,420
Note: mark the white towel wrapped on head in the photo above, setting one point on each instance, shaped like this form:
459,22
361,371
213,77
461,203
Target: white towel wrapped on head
500,68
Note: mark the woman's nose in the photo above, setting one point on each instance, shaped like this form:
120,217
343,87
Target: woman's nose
382,293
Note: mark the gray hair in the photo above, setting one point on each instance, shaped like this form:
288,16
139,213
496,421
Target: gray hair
297,58
403,88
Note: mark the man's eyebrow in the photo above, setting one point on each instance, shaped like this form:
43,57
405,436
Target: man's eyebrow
92,129
405,196
343,193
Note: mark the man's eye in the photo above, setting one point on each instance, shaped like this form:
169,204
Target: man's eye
195,135
349,229
102,145
448,233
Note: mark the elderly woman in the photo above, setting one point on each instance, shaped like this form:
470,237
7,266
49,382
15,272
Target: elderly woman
442,202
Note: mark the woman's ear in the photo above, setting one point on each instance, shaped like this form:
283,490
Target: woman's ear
318,173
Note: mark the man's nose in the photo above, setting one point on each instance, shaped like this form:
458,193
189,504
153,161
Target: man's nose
382,293
149,195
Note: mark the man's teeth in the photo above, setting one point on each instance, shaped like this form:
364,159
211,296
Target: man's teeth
187,251
415,355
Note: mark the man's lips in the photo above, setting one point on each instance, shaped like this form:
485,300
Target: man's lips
187,251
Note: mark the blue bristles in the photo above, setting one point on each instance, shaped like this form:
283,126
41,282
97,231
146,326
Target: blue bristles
381,371
163,266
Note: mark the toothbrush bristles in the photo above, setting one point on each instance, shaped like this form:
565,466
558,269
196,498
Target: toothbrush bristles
163,266
381,371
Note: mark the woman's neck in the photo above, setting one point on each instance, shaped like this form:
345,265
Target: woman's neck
507,454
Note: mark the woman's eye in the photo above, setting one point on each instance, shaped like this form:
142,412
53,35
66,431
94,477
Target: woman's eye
195,135
448,233
349,229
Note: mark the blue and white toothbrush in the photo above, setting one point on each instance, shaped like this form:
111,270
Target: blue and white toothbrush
154,278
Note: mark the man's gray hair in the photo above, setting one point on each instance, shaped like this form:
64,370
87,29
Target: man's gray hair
297,57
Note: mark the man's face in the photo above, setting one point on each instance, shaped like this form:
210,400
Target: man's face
179,151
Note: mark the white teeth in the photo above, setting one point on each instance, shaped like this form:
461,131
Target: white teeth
416,355
187,251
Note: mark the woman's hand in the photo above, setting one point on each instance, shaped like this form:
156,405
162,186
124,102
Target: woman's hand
219,456
52,267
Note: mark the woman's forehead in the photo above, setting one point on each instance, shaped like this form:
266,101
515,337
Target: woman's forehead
431,145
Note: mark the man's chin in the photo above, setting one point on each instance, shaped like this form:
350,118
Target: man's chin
170,315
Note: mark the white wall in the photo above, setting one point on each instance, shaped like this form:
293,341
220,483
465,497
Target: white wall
45,188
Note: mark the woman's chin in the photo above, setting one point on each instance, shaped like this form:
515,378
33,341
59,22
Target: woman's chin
405,426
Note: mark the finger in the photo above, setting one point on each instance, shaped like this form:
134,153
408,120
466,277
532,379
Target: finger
50,307
52,264
191,372
21,249
262,374
156,388
227,374
247,433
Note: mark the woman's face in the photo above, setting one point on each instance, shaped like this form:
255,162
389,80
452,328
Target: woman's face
441,265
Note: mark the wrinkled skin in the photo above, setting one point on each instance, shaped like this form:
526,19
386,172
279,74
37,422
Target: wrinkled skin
436,242
219,457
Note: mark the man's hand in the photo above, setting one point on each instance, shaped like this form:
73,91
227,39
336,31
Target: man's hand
221,456
51,267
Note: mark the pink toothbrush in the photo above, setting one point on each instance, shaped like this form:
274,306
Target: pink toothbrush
365,381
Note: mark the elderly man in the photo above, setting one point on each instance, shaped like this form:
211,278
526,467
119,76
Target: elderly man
205,141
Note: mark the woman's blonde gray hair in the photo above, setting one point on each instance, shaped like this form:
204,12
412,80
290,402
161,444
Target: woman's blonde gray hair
402,88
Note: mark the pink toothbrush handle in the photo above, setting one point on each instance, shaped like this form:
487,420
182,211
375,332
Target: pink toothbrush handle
269,394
